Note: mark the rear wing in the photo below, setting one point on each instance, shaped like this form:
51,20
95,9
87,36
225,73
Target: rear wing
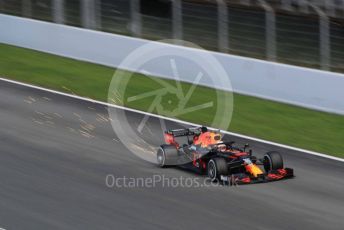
171,134
182,132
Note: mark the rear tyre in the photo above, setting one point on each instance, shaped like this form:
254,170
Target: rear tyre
216,168
167,155
273,161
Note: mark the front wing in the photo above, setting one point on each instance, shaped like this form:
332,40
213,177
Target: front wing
273,175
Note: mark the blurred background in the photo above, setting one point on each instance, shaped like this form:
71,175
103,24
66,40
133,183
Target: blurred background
305,33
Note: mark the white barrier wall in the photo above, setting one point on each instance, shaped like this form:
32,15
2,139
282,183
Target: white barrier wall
305,87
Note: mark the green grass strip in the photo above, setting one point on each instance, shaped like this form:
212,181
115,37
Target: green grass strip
278,122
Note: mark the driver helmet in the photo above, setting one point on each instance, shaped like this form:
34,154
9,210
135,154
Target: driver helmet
204,129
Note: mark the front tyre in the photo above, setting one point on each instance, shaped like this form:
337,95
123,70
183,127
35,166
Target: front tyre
272,161
216,168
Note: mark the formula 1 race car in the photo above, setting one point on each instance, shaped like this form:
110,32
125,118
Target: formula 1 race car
221,160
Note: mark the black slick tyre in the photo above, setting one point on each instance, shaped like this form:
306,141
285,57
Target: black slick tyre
273,161
217,167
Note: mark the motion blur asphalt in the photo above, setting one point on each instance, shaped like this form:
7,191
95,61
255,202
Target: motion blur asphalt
56,151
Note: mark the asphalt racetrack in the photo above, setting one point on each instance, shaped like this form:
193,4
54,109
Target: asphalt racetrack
56,151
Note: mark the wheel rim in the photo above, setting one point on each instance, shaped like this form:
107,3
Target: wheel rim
211,170
160,158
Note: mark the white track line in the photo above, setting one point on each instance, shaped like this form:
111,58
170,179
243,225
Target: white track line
174,120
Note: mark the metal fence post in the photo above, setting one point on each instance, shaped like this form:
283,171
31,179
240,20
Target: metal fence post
98,14
58,11
222,26
84,13
27,8
324,37
88,14
270,30
325,42
177,19
136,21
